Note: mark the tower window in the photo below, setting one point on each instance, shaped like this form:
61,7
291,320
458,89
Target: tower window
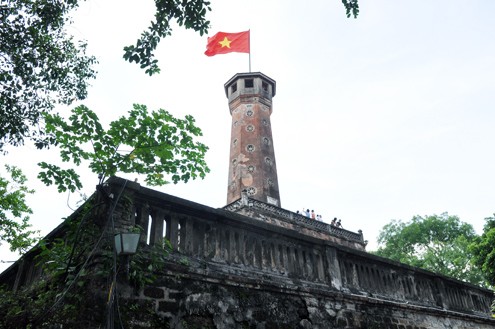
233,88
249,83
264,86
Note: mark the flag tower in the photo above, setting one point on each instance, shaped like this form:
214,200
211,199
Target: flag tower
252,166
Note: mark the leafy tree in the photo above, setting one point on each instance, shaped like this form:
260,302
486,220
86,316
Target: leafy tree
40,65
438,243
483,250
14,213
152,144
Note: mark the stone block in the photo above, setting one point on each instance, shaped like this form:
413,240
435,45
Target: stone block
154,292
165,306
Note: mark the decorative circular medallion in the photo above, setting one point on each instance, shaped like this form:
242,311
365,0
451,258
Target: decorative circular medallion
264,122
268,161
251,168
251,190
234,162
266,141
270,182
249,113
250,148
234,142
250,128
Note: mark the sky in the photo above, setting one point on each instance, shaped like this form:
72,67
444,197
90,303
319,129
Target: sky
383,117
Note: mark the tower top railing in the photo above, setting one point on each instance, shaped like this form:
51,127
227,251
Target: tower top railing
245,202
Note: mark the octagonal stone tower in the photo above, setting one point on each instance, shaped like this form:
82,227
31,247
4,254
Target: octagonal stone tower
252,164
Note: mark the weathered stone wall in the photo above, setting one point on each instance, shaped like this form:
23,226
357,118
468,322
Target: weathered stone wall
189,301
244,272
230,270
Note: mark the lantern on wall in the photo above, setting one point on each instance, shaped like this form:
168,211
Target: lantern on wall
126,243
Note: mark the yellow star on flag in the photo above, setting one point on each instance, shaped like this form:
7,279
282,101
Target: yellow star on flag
225,42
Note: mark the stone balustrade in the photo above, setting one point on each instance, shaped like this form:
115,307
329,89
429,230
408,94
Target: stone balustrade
246,202
241,245
226,245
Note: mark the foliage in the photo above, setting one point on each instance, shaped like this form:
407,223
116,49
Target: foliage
152,144
483,250
14,212
18,309
40,65
76,268
61,293
146,263
190,14
438,243
351,7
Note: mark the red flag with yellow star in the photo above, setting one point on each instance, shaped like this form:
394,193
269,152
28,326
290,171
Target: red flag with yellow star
223,43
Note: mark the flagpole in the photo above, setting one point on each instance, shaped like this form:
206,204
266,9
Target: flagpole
249,44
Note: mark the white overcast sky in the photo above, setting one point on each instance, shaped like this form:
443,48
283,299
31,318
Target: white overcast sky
382,117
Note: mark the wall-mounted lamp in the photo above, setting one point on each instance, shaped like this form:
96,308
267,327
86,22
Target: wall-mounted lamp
126,243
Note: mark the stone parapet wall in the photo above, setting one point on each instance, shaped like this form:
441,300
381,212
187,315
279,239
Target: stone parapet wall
256,269
284,218
188,300
242,246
